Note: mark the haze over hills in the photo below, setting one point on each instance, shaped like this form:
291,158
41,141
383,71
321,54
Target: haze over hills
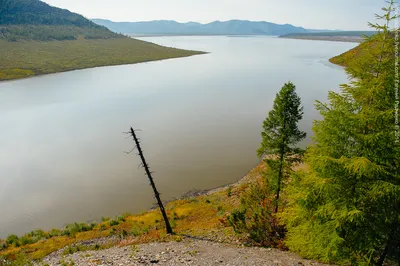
170,27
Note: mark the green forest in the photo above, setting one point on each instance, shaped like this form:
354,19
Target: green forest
344,207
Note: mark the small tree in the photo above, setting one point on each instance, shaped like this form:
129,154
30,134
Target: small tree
259,204
280,135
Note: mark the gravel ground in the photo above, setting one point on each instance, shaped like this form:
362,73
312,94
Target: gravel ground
186,252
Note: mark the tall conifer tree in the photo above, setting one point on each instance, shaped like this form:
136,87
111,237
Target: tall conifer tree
347,208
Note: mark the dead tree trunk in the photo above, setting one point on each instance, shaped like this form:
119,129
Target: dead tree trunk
153,185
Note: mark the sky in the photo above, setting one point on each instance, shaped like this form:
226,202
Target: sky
310,14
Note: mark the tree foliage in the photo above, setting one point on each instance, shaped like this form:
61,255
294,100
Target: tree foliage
280,135
347,208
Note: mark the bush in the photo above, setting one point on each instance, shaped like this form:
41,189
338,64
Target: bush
105,219
26,240
114,222
256,219
3,245
53,233
138,230
229,191
73,229
12,239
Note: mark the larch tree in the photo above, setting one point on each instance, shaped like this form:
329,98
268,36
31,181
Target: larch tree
257,217
280,136
346,209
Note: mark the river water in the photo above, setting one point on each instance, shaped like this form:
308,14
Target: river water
62,156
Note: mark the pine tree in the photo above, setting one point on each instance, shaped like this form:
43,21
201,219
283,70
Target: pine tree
280,135
347,208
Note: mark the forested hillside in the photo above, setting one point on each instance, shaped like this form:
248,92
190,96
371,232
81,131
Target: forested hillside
36,20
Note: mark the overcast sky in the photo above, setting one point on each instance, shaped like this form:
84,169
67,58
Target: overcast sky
311,14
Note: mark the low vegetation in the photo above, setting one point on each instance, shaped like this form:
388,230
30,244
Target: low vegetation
203,216
350,58
29,58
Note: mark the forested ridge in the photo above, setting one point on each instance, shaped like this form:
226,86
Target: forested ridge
36,20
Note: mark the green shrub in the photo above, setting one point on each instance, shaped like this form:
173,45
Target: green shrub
114,222
138,229
12,239
229,191
256,219
26,240
3,245
120,218
105,219
53,233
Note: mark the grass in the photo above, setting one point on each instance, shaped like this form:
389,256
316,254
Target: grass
28,58
203,216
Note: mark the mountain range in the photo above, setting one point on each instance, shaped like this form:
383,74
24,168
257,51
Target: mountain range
170,27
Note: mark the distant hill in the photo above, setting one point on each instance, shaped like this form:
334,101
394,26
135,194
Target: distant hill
168,27
36,38
36,20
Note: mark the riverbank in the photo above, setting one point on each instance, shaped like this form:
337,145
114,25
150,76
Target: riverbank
353,39
198,222
28,58
201,216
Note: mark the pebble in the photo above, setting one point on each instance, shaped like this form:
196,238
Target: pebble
187,252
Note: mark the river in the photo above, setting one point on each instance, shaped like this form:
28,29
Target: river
63,148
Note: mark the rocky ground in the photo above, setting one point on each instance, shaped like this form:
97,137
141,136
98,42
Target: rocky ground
186,252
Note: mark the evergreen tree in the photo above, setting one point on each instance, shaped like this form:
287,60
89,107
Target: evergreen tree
280,135
259,203
347,208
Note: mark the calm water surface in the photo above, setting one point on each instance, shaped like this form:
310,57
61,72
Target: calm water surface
62,144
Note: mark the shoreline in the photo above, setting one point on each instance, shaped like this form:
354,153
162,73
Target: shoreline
198,214
352,39
52,57
100,66
195,193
